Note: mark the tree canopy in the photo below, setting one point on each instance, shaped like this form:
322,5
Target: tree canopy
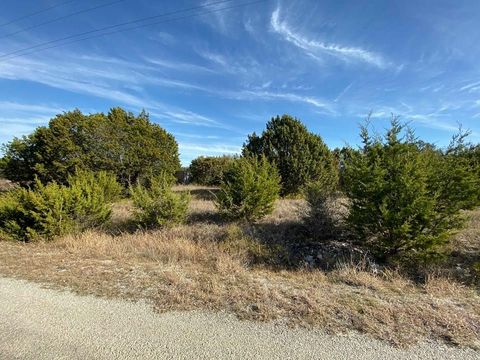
208,170
119,142
300,156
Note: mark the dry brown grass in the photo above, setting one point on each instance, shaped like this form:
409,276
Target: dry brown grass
207,264
6,185
464,250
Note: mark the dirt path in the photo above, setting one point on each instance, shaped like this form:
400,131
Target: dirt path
37,323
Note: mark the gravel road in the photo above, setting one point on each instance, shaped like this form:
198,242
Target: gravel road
38,323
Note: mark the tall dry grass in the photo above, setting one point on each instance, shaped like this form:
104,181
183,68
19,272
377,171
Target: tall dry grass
212,265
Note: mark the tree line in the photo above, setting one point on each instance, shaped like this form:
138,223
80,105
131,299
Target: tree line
403,197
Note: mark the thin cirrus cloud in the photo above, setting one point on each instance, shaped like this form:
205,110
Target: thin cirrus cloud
92,77
12,106
471,87
319,49
20,119
268,95
433,119
210,148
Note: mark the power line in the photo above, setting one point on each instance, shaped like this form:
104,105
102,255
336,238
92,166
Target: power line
14,53
61,18
137,27
37,12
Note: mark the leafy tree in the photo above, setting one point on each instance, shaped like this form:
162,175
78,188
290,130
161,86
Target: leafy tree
405,195
130,146
208,170
47,211
157,205
300,156
249,189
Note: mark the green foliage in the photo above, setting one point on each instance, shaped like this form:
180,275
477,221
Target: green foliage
341,156
101,182
156,205
249,189
129,146
322,198
300,156
208,170
48,211
405,195
462,162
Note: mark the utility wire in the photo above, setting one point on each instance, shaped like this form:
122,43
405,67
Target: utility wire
37,12
61,18
136,27
21,52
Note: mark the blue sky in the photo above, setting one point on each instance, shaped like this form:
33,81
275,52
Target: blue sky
212,79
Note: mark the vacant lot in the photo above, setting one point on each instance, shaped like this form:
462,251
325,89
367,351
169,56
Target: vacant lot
258,272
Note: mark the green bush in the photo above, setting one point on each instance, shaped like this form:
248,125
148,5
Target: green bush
156,205
101,182
405,195
325,208
48,211
208,170
300,156
462,162
249,189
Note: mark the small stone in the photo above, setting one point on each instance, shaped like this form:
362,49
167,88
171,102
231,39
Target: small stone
254,307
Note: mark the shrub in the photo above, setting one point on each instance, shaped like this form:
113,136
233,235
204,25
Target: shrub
249,189
102,182
47,211
326,210
129,146
157,205
209,170
299,155
405,195
462,162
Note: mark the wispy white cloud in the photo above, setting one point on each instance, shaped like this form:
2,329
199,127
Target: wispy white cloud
343,92
163,37
318,49
18,119
471,87
217,19
249,26
195,136
189,117
71,77
177,65
189,151
120,81
19,129
430,119
240,67
268,95
12,106
94,75
210,148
